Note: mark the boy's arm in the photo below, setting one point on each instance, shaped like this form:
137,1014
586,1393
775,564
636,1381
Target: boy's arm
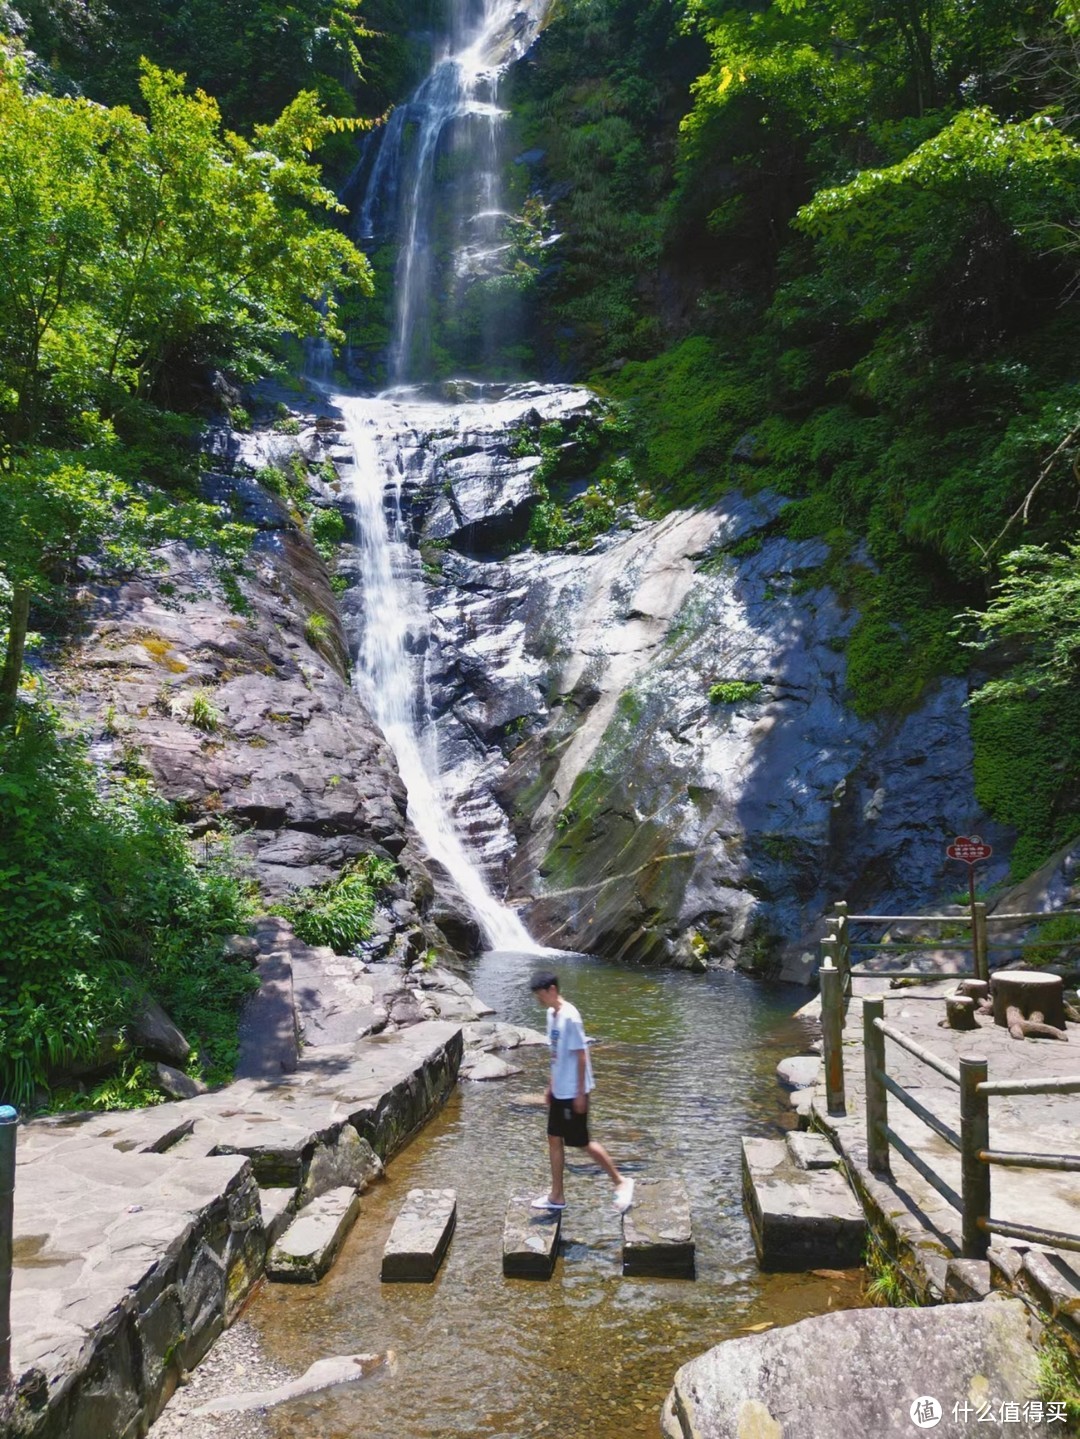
581,1099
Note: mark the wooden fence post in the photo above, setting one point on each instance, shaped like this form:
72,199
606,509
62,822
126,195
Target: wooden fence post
974,1172
877,1099
979,940
832,1019
8,1127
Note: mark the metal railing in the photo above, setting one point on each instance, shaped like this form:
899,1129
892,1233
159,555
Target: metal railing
972,1141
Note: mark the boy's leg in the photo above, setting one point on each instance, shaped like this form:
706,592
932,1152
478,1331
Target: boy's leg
603,1158
557,1152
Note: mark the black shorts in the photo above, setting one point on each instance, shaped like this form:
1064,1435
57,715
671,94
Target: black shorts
564,1124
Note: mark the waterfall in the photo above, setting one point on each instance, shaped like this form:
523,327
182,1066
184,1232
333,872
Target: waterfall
389,672
453,118
455,107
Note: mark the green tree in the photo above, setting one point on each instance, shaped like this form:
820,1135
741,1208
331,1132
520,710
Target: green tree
132,249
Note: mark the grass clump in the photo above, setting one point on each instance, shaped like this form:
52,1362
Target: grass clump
340,914
317,630
732,692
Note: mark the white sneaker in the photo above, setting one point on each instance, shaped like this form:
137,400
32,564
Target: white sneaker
545,1203
624,1195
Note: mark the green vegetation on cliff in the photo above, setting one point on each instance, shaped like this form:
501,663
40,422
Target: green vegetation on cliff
102,901
142,247
848,264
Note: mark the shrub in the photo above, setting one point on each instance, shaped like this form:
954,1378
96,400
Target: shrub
733,692
340,914
327,531
101,897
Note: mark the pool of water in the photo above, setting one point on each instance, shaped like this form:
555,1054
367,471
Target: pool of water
684,1065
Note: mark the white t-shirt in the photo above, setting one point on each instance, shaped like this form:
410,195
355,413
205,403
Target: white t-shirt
566,1036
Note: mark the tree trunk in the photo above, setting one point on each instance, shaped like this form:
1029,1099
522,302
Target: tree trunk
13,659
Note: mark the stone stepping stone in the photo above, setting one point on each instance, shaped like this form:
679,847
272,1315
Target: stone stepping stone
420,1237
800,1218
310,1245
277,1209
658,1237
530,1240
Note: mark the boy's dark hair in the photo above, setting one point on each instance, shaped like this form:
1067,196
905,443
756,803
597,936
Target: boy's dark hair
544,981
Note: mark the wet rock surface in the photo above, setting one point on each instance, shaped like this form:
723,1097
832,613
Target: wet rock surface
642,812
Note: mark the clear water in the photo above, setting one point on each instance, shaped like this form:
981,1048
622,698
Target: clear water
684,1066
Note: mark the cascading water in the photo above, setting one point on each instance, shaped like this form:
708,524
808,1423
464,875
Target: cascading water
389,671
454,107
454,116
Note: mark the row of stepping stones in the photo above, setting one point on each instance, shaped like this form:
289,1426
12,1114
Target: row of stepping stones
657,1236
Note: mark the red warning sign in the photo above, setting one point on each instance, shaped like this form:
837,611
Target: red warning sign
969,849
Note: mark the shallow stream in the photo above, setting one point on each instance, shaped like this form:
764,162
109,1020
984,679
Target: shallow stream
684,1066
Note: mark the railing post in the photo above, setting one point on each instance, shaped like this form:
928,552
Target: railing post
979,940
8,1128
877,1099
974,1172
830,954
832,1018
843,935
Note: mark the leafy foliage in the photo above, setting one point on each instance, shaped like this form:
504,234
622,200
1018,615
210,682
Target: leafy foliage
340,914
733,692
101,898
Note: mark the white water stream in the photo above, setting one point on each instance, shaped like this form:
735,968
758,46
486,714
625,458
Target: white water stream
389,673
454,111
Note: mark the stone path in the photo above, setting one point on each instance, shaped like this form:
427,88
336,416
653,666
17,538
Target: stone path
926,1228
137,1236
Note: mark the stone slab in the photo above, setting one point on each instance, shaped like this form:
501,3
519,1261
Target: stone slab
857,1373
420,1237
530,1240
278,1207
811,1151
800,1218
658,1235
309,1246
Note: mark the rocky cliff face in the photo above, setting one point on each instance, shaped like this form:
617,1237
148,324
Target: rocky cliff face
234,705
649,741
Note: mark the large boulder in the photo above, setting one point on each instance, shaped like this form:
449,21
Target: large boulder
151,1031
859,1372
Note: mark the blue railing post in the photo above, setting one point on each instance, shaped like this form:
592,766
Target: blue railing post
8,1127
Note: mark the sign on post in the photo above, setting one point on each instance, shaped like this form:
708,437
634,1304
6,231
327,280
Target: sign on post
969,849
972,850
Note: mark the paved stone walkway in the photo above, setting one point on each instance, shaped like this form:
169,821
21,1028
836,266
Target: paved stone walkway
137,1236
925,1226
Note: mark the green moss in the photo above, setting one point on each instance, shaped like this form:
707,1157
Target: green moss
1027,771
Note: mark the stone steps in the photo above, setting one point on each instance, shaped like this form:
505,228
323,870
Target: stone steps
530,1240
803,1215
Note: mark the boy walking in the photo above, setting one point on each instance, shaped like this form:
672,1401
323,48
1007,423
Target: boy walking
567,1097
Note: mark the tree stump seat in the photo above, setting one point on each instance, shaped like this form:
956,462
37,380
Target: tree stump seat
1029,1003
